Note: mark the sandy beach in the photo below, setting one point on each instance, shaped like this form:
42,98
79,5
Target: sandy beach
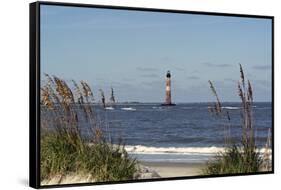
168,169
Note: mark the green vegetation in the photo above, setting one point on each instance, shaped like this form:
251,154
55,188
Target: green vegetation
102,161
64,150
243,157
233,160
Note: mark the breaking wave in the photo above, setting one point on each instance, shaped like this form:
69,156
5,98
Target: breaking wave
230,108
109,108
140,149
129,109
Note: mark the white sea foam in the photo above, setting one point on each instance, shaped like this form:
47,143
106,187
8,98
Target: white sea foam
109,108
129,109
230,108
140,149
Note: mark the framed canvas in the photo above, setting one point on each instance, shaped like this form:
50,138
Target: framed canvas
126,94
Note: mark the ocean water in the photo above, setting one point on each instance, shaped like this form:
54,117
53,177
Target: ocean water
186,132
183,133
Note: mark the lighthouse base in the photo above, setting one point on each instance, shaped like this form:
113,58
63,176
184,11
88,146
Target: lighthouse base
168,104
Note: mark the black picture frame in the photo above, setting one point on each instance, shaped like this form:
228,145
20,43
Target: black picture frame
34,93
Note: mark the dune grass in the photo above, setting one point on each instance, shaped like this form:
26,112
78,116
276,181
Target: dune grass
242,157
102,161
65,148
234,160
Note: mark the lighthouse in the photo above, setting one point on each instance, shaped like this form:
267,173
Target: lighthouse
168,99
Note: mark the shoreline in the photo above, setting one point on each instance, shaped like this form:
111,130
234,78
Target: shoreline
170,169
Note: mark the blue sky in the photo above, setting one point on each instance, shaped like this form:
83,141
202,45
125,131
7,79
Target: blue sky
132,50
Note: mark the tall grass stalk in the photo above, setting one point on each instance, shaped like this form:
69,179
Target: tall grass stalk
73,139
242,157
216,110
267,153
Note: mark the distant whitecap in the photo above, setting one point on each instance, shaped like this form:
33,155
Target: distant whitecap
129,109
109,108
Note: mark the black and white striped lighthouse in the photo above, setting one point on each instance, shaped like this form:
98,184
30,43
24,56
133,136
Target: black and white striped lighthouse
168,99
